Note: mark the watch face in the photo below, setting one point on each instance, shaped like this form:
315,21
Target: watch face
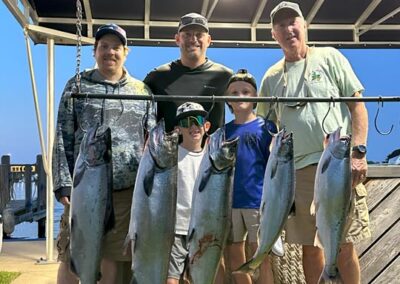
360,148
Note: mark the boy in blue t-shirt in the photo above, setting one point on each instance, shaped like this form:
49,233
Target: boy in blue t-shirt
251,161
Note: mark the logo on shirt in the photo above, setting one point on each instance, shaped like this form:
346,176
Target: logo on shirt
315,76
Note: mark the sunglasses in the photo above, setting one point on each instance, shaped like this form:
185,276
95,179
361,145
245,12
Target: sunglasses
190,20
187,122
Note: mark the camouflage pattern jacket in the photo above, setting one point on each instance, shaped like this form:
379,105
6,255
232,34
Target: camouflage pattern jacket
126,118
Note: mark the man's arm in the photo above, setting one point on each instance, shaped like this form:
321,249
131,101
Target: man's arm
359,125
63,149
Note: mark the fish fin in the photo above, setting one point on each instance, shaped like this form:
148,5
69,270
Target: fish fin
317,241
99,276
312,208
134,280
331,279
325,165
73,267
191,235
274,169
133,243
262,207
292,211
148,182
204,179
250,266
109,220
78,175
126,245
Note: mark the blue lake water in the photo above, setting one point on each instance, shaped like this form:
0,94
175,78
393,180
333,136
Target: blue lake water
28,230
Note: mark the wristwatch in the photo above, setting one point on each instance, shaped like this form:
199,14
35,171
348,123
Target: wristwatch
362,149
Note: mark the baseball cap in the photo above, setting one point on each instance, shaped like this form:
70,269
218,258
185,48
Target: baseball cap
286,5
193,19
189,109
112,29
243,75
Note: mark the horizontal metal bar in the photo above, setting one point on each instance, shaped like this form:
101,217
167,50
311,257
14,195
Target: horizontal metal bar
163,98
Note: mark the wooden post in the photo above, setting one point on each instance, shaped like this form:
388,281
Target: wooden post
41,184
41,195
4,182
28,188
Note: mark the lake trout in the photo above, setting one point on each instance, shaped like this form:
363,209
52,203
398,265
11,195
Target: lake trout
211,209
277,201
332,201
152,224
92,212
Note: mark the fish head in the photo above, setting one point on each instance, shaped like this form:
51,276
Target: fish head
163,146
338,145
222,152
283,145
96,145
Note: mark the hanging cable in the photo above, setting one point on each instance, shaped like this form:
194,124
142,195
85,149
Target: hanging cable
78,45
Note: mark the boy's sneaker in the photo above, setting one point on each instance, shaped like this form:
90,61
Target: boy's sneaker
278,248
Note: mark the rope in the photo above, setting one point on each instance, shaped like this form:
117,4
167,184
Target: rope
78,45
289,268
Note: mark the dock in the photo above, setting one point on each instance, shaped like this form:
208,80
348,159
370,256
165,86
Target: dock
26,256
29,205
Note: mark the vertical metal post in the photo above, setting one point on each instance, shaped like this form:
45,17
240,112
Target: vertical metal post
4,181
50,139
28,187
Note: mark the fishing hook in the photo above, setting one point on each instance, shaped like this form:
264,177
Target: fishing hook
271,107
331,104
380,104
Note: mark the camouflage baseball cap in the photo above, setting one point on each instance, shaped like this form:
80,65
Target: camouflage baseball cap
189,109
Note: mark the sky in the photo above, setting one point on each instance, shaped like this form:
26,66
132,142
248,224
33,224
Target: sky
377,70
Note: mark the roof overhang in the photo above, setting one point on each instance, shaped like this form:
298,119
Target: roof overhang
233,23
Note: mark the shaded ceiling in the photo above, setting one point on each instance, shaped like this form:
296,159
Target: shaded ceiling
233,23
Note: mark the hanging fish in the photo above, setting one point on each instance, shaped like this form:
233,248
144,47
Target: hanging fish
332,200
152,224
211,210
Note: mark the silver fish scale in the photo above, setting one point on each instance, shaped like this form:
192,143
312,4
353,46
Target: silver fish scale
277,198
211,212
152,224
91,201
332,199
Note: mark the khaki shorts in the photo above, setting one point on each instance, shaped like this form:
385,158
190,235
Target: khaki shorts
245,222
301,228
113,241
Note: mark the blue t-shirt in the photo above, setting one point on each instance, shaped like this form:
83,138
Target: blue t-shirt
251,160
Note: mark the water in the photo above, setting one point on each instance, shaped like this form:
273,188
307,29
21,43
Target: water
28,230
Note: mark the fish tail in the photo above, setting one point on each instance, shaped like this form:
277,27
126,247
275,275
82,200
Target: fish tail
328,278
250,266
134,280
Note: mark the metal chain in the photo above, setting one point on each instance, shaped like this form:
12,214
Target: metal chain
78,45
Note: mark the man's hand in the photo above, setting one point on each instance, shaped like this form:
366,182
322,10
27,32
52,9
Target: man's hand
65,200
359,169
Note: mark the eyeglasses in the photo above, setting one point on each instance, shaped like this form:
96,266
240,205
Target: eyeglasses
187,122
189,20
295,105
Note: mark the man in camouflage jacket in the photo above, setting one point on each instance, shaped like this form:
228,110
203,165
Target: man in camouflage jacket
128,121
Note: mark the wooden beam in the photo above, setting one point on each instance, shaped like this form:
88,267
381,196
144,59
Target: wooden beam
383,171
381,254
